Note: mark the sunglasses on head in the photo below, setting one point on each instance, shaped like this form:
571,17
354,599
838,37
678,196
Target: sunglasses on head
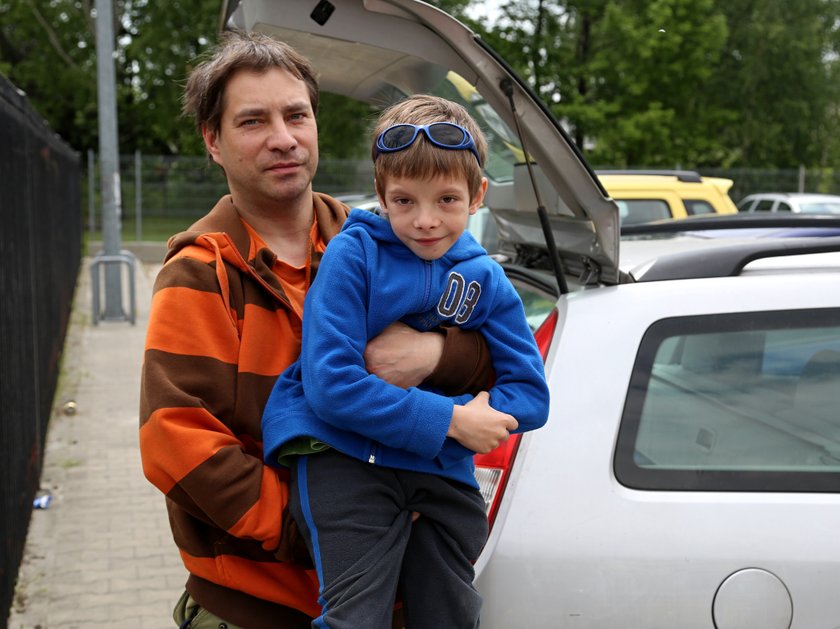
445,135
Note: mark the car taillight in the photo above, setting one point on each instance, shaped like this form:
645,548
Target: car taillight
492,469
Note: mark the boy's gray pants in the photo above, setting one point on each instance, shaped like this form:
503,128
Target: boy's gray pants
356,519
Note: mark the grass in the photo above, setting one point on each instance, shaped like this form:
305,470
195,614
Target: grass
154,228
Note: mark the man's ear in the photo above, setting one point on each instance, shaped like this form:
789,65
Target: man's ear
478,199
211,138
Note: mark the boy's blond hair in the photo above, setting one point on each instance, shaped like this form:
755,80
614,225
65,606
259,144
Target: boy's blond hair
423,160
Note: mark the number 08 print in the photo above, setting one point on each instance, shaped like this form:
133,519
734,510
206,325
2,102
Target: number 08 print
459,298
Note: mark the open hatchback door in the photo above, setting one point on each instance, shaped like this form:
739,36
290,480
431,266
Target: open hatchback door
380,51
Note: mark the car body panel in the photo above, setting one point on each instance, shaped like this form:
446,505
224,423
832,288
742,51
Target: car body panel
622,557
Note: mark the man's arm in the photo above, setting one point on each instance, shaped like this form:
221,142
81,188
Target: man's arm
188,396
453,360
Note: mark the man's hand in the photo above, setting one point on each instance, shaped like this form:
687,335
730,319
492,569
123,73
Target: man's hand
403,356
480,427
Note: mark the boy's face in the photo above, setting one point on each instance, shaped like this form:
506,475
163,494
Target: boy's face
428,216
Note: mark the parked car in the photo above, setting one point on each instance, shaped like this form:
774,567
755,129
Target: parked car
650,195
792,202
688,474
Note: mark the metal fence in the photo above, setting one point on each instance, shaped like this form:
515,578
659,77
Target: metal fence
165,194
751,180
162,194
40,254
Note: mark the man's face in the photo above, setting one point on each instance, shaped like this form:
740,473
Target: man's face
267,142
428,216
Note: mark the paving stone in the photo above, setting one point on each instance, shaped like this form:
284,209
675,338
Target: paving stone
102,554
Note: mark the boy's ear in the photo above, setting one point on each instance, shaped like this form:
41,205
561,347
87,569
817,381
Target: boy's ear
382,208
479,196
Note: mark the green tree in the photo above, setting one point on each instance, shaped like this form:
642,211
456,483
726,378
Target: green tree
778,77
158,44
652,65
48,49
636,82
626,77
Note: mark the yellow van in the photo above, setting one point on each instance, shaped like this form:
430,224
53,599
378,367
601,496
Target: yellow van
644,196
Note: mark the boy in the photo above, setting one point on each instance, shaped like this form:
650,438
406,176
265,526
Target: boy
369,455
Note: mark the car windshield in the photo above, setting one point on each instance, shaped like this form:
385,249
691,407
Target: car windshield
504,150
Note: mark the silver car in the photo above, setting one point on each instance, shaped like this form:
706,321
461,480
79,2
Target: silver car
790,202
688,474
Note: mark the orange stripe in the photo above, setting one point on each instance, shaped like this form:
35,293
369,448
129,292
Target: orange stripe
271,342
197,252
188,329
284,583
178,440
260,521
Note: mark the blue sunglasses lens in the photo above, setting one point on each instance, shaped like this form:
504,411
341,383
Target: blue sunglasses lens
447,134
398,137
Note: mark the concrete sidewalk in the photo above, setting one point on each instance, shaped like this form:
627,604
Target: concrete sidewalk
101,555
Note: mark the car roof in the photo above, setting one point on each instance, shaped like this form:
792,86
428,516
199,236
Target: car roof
729,258
680,175
794,196
722,245
379,51
656,182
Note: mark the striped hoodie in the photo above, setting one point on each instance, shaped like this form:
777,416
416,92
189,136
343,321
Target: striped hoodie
208,370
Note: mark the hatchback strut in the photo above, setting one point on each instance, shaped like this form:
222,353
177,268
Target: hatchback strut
507,87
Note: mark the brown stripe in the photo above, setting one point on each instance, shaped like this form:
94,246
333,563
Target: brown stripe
244,610
240,490
263,264
188,273
200,538
173,380
224,218
249,407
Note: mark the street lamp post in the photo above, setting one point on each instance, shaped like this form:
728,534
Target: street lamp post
109,157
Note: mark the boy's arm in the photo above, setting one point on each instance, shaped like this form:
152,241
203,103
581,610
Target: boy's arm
520,391
520,387
451,360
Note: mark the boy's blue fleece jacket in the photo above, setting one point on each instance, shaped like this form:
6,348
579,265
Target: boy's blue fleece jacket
367,280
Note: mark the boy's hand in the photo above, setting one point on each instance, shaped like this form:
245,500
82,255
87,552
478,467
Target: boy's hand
403,356
480,427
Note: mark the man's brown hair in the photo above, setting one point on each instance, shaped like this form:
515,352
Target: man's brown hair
236,50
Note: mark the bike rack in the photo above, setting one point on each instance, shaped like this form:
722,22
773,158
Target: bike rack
124,259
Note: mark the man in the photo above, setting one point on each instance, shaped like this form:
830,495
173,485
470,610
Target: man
226,320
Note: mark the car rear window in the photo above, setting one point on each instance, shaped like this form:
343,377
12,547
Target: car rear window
635,211
820,208
736,402
693,207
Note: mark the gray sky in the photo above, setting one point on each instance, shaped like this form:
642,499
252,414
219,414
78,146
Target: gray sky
487,8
